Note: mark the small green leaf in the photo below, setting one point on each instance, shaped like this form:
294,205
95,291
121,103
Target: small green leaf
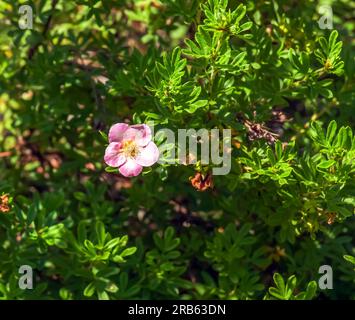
311,290
80,196
100,232
104,136
169,233
245,26
89,290
350,259
279,281
326,164
111,170
331,130
102,295
275,292
128,251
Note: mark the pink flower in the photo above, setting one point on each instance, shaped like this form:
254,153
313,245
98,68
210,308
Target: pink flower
131,149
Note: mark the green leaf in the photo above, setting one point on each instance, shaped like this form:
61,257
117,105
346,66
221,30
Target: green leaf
128,251
342,137
239,13
331,131
291,283
118,259
123,281
317,133
326,164
80,196
278,149
169,233
89,290
32,213
102,295
279,281
100,233
332,40
276,293
245,26
350,259
311,290
82,234
111,170
104,136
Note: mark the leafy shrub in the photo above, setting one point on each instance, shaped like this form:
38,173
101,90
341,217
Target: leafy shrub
264,69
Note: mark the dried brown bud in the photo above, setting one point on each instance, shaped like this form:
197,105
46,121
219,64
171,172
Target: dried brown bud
258,131
201,182
331,217
4,203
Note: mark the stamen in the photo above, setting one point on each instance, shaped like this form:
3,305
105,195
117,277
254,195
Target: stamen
129,148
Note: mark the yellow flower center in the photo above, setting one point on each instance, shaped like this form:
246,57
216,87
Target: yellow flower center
130,149
328,64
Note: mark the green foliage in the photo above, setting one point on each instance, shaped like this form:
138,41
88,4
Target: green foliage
264,69
350,259
285,291
329,54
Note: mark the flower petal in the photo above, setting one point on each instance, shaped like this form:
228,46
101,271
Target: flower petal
130,168
113,157
141,133
117,131
148,155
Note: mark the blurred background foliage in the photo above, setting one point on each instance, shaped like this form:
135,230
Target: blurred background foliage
91,234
